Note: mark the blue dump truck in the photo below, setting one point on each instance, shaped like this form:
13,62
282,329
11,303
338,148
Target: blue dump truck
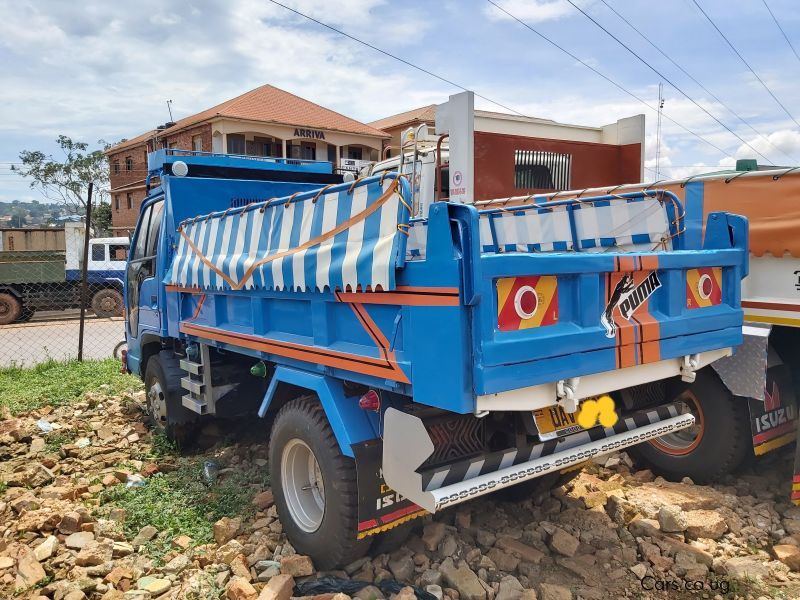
410,364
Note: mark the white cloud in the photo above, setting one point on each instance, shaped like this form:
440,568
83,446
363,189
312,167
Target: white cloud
533,11
782,145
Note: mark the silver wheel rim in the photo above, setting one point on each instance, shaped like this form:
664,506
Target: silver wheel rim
157,403
108,304
303,486
683,439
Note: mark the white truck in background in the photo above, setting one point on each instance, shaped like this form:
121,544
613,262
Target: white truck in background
33,280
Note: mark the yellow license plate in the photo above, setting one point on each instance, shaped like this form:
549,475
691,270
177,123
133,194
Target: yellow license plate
553,421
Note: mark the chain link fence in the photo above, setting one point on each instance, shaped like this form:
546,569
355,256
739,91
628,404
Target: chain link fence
40,300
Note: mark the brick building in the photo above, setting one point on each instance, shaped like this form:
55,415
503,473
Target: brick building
516,155
266,121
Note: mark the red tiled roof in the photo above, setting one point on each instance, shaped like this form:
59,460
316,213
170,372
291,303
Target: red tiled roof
426,114
267,104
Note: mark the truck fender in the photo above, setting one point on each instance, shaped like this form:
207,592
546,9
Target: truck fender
350,424
10,289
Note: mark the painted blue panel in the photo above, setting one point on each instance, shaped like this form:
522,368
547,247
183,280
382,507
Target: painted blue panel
96,276
350,424
693,221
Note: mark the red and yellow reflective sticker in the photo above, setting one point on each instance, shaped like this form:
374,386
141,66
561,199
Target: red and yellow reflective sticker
703,287
525,302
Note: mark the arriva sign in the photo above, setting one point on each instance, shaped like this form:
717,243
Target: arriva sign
314,134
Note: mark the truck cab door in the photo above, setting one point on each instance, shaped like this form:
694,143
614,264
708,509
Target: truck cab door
141,280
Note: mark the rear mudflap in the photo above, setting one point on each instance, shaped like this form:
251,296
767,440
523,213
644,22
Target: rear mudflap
773,421
380,508
796,478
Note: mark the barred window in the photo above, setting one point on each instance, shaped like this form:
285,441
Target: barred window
536,169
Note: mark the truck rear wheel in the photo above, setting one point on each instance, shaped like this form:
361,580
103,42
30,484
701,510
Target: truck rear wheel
714,447
107,303
315,486
10,308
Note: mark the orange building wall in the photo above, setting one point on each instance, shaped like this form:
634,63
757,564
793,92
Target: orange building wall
592,164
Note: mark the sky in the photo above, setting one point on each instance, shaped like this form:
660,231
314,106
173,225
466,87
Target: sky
97,70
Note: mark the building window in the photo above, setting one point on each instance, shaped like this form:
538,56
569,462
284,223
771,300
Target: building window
116,167
128,164
264,146
236,143
172,145
116,201
354,153
536,169
303,150
130,200
197,143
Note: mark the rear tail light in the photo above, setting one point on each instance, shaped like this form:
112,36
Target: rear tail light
703,287
370,401
525,302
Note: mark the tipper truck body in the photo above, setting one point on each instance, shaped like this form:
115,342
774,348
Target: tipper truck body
403,378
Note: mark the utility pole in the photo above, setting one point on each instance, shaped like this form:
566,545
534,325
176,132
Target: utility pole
658,128
84,269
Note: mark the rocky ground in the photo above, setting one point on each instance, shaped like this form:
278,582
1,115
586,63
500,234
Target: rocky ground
100,507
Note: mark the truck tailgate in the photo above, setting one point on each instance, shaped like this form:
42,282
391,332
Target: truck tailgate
569,311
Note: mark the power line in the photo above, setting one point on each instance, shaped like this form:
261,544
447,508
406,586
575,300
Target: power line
395,57
690,76
665,78
786,37
606,77
732,47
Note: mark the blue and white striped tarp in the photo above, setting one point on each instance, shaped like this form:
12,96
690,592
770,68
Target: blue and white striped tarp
532,230
637,224
346,238
624,224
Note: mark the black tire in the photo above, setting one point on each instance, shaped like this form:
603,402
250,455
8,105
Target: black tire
10,308
107,303
162,384
536,489
117,352
712,451
333,542
27,315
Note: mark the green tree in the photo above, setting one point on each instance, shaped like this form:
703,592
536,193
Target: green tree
66,179
18,217
101,218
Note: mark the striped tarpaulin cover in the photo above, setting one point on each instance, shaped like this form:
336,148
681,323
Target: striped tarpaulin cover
628,225
346,238
532,230
634,224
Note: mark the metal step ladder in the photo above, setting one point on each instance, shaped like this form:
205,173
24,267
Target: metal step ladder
197,382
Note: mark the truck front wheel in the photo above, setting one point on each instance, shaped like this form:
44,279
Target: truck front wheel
715,446
107,303
162,388
315,486
10,308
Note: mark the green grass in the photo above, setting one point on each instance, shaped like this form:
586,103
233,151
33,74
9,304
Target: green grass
180,502
55,440
57,383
